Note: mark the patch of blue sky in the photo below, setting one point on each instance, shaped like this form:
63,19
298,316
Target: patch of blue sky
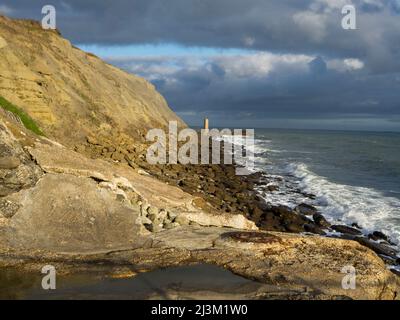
157,50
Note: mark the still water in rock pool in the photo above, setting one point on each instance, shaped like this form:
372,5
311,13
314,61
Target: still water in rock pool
187,282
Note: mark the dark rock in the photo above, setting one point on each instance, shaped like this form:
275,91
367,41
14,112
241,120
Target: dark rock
396,272
256,213
229,198
250,186
269,221
380,235
310,195
210,189
314,229
388,260
321,221
293,216
272,188
377,247
294,227
282,210
344,236
355,225
306,209
346,229
241,197
288,218
255,177
372,237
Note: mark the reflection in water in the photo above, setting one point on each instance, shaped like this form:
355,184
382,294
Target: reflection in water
189,282
13,284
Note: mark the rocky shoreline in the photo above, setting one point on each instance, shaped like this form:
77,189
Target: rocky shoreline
224,191
82,214
240,195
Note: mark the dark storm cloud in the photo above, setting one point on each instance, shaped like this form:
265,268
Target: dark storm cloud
308,26
260,84
302,63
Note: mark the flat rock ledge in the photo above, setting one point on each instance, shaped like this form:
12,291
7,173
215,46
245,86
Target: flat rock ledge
308,267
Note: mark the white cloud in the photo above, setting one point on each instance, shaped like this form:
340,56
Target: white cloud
328,6
376,3
344,65
354,64
250,65
249,41
5,10
261,64
311,23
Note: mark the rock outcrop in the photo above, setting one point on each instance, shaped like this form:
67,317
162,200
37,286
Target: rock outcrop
64,201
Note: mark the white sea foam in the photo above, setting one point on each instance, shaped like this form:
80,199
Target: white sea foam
368,207
338,202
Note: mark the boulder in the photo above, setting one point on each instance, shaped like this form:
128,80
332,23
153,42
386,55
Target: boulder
9,163
293,227
306,209
68,213
396,272
181,220
314,229
17,170
346,230
377,235
272,187
355,225
320,220
377,247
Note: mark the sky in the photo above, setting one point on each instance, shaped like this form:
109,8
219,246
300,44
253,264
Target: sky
248,63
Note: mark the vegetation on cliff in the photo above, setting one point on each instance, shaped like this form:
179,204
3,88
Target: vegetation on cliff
27,121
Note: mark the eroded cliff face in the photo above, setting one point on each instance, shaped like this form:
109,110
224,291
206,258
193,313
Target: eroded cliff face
72,94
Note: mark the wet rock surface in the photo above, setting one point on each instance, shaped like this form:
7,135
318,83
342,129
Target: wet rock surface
346,230
321,221
306,209
378,247
253,237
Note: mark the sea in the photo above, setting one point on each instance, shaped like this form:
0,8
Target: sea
354,176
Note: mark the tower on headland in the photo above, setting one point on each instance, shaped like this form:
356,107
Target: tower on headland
206,123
